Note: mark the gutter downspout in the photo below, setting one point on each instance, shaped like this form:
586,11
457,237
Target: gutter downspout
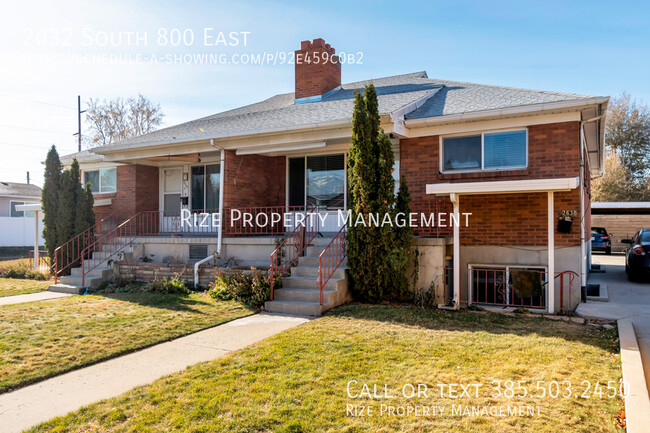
585,257
220,227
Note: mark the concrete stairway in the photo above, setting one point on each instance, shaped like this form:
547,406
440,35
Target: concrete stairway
299,294
72,283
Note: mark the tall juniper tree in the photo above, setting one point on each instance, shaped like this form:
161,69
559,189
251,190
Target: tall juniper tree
50,199
370,164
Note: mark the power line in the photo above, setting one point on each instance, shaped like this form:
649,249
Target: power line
33,129
36,102
4,143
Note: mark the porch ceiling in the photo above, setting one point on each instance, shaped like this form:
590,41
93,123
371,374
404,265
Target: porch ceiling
504,187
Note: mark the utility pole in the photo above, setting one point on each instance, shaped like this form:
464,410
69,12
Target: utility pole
79,120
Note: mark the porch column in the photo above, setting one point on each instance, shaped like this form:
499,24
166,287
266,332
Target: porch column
455,199
551,255
36,252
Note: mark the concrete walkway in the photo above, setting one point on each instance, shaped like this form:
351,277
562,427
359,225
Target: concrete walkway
627,300
31,297
33,404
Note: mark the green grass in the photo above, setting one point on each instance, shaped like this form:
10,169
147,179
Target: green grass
41,339
296,381
12,286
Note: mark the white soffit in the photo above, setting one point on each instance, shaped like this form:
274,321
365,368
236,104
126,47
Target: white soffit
504,187
274,149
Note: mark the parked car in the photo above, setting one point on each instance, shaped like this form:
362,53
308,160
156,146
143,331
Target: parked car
637,261
600,240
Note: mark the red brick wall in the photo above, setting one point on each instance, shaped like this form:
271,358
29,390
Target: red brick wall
506,219
136,191
254,180
317,69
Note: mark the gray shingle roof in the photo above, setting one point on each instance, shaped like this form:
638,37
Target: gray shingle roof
281,113
458,98
19,189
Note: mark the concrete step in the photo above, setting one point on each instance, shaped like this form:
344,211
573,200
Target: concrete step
109,249
298,308
314,251
313,261
99,271
65,288
321,241
76,280
294,282
312,271
304,295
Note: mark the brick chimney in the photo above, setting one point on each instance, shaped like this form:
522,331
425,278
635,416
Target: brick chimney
318,69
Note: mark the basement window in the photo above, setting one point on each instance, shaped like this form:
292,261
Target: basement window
502,150
101,181
198,252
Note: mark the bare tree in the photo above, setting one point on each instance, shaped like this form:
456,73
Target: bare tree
118,119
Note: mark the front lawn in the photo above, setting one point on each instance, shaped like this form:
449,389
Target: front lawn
297,381
41,339
12,286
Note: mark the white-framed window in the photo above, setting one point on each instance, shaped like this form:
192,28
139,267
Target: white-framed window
499,150
19,213
102,180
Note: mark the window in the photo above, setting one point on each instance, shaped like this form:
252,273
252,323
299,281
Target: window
19,213
508,285
101,181
326,181
205,187
486,151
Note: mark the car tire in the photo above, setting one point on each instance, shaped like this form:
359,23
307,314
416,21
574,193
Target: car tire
608,251
631,276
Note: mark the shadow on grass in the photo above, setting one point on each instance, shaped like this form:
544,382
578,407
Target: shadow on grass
494,323
172,302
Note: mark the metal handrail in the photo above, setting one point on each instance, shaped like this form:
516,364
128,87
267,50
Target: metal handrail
72,249
331,258
301,237
125,230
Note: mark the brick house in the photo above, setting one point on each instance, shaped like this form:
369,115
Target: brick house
520,161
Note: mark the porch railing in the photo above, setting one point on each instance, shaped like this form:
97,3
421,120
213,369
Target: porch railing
249,221
69,254
43,260
291,248
494,286
331,258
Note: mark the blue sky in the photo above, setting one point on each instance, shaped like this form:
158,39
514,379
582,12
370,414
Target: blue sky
588,47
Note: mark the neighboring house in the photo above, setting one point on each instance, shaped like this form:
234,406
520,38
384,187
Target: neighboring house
516,159
621,219
17,228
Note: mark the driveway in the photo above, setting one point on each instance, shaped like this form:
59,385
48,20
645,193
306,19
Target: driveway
626,300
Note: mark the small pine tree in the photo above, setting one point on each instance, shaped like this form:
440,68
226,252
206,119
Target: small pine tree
50,198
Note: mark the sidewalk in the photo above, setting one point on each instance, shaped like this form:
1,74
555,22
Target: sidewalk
31,297
33,404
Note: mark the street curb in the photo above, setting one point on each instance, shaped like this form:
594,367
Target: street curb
637,401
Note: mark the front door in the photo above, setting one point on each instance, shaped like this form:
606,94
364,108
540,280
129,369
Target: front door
171,199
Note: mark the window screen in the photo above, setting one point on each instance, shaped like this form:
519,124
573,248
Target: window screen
462,153
505,149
